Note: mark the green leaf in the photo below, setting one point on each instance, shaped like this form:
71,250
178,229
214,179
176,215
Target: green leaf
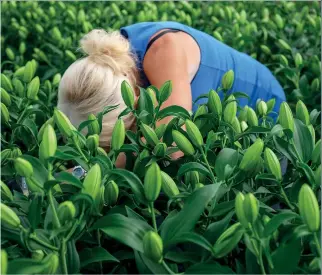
125,230
192,166
222,208
94,255
174,110
165,91
215,229
72,258
68,178
209,268
182,257
303,140
308,173
35,211
253,130
186,219
225,157
286,258
133,181
190,237
277,220
284,148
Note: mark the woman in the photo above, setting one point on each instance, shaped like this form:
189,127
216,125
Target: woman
150,54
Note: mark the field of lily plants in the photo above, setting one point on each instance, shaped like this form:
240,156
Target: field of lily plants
243,199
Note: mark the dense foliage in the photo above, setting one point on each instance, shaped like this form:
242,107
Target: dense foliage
245,196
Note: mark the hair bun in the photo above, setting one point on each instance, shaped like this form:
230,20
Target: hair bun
108,49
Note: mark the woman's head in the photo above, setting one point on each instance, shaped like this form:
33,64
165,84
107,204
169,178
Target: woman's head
94,82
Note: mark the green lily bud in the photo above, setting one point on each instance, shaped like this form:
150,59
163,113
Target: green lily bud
160,130
33,185
66,211
309,208
252,117
38,255
217,35
286,117
4,262
70,55
10,54
118,135
127,94
228,240
5,97
279,21
152,182
243,126
56,79
252,156
239,209
93,127
236,125
6,83
152,95
298,60
262,108
33,88
5,155
51,122
63,123
315,85
39,28
160,149
149,135
28,72
183,143
51,263
101,151
81,16
4,114
9,217
284,45
265,49
251,208
23,167
194,133
5,192
230,110
168,186
302,113
227,80
18,88
92,183
214,103
243,114
273,163
270,105
111,193
48,145
316,155
283,60
92,143
56,34
22,48
153,246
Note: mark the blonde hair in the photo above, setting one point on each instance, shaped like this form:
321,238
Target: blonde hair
94,82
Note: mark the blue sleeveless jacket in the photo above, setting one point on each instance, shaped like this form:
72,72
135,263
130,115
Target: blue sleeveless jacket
251,77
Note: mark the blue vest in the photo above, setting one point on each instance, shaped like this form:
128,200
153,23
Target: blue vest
251,77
